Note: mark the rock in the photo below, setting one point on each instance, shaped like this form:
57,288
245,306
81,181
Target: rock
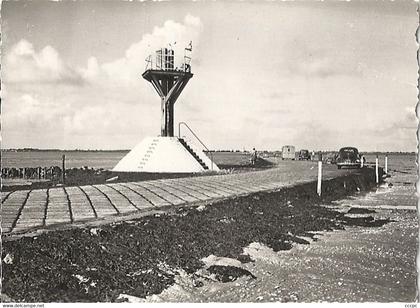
197,283
129,298
6,299
113,179
8,259
258,251
95,231
355,210
222,261
81,278
201,208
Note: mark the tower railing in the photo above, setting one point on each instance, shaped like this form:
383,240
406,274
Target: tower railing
196,137
164,60
149,63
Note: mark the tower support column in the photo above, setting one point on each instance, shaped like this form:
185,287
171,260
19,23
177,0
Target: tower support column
170,120
163,118
169,85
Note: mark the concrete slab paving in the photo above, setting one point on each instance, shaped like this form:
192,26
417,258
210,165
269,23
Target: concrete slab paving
30,223
136,199
172,199
147,194
208,191
8,217
31,215
65,205
14,200
189,189
53,221
80,205
230,186
4,195
100,203
7,223
176,191
121,203
205,187
82,212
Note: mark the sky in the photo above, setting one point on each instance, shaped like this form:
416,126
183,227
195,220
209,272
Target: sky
317,75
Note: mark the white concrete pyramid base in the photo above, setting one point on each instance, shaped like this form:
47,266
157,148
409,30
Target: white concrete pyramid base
164,155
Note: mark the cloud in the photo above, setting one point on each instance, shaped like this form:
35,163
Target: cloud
320,64
126,70
24,65
400,127
43,94
26,112
319,67
41,115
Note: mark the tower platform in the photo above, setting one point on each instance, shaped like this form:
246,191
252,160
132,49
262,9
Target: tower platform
166,155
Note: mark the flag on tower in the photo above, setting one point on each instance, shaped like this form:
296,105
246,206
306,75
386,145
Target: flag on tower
189,46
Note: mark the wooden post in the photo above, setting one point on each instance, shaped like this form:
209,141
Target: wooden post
63,171
361,161
318,188
377,169
386,164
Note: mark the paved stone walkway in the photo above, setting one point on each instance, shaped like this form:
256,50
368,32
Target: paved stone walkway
27,210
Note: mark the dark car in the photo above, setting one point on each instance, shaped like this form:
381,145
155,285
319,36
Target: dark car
304,155
349,157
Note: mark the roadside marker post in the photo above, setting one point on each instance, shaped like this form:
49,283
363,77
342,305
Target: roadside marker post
318,188
63,173
386,165
377,169
361,161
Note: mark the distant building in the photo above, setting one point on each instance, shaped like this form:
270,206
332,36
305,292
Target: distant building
288,152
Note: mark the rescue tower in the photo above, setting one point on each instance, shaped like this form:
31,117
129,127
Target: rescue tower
167,153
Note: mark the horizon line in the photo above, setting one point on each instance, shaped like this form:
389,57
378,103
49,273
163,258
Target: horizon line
212,150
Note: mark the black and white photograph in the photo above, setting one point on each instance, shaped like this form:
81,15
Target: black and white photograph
209,152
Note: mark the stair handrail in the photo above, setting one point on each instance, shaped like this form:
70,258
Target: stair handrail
189,128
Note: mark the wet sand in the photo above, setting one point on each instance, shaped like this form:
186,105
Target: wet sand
358,264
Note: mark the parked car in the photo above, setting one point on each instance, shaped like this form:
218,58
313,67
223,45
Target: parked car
348,157
304,155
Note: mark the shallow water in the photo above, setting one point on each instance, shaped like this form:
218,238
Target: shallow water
103,159
400,162
108,159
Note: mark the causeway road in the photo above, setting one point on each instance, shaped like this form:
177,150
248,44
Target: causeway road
39,209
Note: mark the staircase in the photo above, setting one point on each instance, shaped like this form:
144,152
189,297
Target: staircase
191,151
